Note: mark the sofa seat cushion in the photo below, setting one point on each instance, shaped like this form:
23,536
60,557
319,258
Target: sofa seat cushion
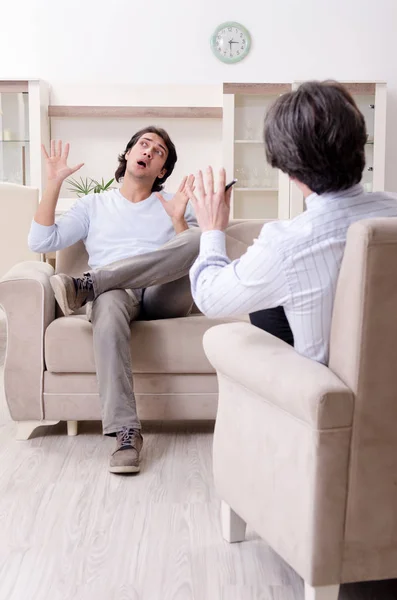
162,346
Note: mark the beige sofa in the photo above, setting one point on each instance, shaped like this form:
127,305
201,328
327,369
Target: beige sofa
50,370
305,454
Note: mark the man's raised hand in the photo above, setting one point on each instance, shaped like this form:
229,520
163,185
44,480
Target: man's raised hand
56,163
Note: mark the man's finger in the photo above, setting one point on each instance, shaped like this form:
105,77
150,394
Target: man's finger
44,151
52,151
189,187
210,181
182,186
228,197
76,168
59,148
200,185
190,193
190,181
66,151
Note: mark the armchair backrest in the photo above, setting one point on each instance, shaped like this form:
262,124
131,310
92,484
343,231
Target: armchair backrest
18,204
363,353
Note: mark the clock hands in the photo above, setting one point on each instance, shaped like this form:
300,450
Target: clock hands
230,44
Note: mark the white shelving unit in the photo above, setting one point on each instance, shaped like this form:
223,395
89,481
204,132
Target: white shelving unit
244,109
262,192
24,127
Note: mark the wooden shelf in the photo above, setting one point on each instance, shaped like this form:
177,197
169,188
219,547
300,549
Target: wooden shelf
13,86
127,112
257,89
263,89
365,88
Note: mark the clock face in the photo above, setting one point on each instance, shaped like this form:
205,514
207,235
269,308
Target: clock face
230,42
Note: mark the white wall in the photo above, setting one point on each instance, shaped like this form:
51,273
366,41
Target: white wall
130,42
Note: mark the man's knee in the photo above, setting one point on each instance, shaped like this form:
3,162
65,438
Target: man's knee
111,308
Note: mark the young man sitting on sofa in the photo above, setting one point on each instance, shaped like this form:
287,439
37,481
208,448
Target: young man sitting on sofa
316,135
141,245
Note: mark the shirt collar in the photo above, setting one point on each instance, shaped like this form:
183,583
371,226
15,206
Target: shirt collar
315,200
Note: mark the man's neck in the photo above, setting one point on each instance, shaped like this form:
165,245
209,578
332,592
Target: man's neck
135,191
306,191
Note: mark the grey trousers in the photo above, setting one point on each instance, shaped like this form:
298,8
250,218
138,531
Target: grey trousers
163,277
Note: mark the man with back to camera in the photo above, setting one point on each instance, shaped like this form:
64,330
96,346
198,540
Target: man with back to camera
287,278
141,245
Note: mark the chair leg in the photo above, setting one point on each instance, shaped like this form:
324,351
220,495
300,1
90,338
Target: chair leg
26,428
233,526
72,427
329,592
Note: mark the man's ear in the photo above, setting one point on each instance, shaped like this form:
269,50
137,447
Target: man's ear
162,173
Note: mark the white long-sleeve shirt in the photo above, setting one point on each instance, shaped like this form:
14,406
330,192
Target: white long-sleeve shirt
111,227
293,263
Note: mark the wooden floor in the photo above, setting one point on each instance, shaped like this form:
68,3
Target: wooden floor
71,531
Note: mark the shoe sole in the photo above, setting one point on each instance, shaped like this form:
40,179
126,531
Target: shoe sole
60,294
126,469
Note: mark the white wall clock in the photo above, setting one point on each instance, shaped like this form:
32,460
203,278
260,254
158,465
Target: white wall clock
230,42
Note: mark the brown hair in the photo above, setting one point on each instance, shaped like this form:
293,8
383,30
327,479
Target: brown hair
317,135
168,165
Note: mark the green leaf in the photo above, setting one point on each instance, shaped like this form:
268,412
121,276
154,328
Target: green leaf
109,183
101,186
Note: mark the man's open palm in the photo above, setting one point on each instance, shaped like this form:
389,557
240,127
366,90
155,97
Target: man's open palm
176,207
56,164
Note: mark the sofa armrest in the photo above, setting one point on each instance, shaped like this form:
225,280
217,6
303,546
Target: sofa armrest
28,301
273,370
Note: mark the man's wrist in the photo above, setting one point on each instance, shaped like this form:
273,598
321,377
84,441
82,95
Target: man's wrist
180,225
53,185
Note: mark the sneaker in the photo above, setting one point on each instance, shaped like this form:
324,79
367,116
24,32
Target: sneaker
125,459
72,293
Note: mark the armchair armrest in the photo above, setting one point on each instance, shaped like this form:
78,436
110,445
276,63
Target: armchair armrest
263,364
28,301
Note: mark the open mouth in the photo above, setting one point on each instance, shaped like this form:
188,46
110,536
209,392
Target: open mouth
141,163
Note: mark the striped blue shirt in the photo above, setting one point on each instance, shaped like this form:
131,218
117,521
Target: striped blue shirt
293,263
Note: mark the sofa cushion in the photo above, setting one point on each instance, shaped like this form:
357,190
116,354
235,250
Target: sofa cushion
162,346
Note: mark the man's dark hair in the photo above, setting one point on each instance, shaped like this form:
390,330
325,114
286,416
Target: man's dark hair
168,165
317,135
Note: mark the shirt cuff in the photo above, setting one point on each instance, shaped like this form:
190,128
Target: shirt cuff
213,242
